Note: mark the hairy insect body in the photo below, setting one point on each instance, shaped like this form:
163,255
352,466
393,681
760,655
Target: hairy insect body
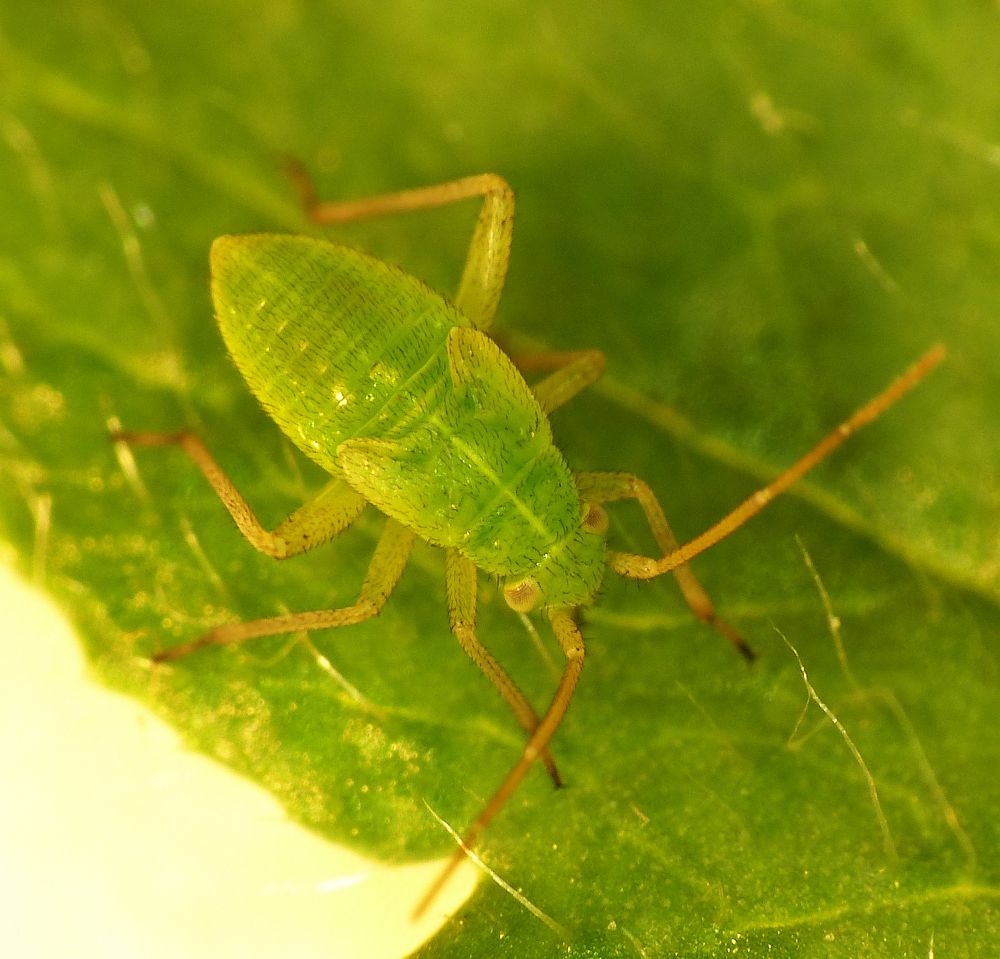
410,406
384,383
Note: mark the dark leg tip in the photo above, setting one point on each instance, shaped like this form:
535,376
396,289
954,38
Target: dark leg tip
746,652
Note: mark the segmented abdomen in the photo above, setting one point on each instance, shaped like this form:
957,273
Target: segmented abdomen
340,347
332,342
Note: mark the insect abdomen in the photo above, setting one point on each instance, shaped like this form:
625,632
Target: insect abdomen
330,340
377,378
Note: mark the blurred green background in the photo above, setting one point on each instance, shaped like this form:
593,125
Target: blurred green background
761,212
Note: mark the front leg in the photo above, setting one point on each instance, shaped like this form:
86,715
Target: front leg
610,487
461,590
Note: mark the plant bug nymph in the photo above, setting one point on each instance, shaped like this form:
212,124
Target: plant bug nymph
405,400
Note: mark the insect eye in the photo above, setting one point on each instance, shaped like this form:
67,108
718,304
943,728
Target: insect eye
595,520
522,596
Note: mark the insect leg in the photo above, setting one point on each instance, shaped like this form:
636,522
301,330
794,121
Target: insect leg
609,487
489,251
572,645
388,562
461,583
574,372
326,515
645,567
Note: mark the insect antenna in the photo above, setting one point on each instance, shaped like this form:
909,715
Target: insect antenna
644,567
571,641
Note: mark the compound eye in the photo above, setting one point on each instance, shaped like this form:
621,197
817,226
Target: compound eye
523,595
595,520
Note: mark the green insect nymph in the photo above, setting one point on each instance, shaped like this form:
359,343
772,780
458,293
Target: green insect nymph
409,405
419,412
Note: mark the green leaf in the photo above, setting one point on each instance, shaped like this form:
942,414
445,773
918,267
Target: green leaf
761,213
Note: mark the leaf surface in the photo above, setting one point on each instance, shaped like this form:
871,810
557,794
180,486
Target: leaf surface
761,213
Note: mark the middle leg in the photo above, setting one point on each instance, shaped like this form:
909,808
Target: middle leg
572,372
388,562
